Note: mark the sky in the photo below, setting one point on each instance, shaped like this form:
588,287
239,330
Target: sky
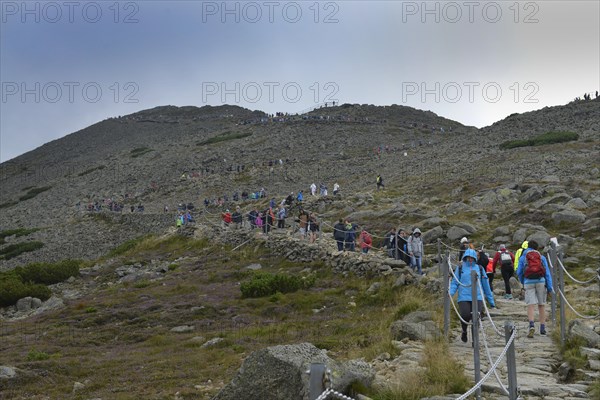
65,65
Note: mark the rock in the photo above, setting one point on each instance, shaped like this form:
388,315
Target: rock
572,217
514,283
374,288
414,331
501,239
183,329
24,304
565,372
455,233
432,222
467,227
579,329
432,235
78,386
501,231
279,372
36,303
254,267
419,316
519,236
7,372
454,208
560,198
52,303
212,342
577,204
532,194
541,237
565,239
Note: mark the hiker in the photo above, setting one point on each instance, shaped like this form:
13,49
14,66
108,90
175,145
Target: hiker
366,240
300,197
290,199
403,247
482,258
518,254
339,234
259,222
415,250
464,245
252,215
490,271
389,243
313,189
506,260
226,216
179,221
166,209
281,214
336,189
379,182
350,238
313,227
465,299
535,275
302,222
236,217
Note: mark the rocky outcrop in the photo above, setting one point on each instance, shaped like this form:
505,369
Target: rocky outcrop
279,372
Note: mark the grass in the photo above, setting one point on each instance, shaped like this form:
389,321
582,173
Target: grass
90,170
31,193
539,140
223,137
140,151
8,204
15,250
16,232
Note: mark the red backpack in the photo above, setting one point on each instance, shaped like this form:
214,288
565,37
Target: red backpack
534,269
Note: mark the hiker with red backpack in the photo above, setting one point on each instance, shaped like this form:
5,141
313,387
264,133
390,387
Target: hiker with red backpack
506,260
366,242
535,275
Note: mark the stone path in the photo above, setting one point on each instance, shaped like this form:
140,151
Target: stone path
537,358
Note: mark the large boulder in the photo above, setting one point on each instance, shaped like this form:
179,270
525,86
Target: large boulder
532,194
456,232
541,237
579,329
7,372
571,217
433,234
279,372
577,204
467,227
519,236
420,331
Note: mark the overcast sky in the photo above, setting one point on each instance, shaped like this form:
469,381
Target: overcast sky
65,65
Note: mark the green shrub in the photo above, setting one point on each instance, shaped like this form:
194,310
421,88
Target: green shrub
223,137
126,246
16,232
140,151
31,193
48,273
266,284
90,170
12,289
35,355
8,204
546,138
17,249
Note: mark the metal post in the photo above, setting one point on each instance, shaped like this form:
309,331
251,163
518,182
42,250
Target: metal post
561,287
554,263
446,282
511,363
475,322
439,256
316,384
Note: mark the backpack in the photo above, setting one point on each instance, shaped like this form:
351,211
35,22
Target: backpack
506,260
534,269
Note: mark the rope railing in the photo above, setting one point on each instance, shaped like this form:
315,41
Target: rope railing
456,310
596,277
487,311
492,369
489,356
575,311
454,275
330,392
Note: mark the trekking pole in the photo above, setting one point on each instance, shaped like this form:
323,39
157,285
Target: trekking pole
475,325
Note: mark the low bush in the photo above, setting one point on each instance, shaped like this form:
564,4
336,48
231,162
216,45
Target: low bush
12,288
31,193
140,151
266,284
546,138
17,249
16,232
48,273
224,137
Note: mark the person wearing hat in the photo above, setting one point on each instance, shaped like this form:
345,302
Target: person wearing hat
415,250
506,259
464,245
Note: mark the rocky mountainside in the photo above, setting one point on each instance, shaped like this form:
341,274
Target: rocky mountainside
169,155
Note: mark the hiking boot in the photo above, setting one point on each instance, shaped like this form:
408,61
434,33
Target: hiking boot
531,332
463,337
542,331
509,297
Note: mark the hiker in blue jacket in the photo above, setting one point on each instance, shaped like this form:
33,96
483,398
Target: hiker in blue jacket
463,273
537,284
